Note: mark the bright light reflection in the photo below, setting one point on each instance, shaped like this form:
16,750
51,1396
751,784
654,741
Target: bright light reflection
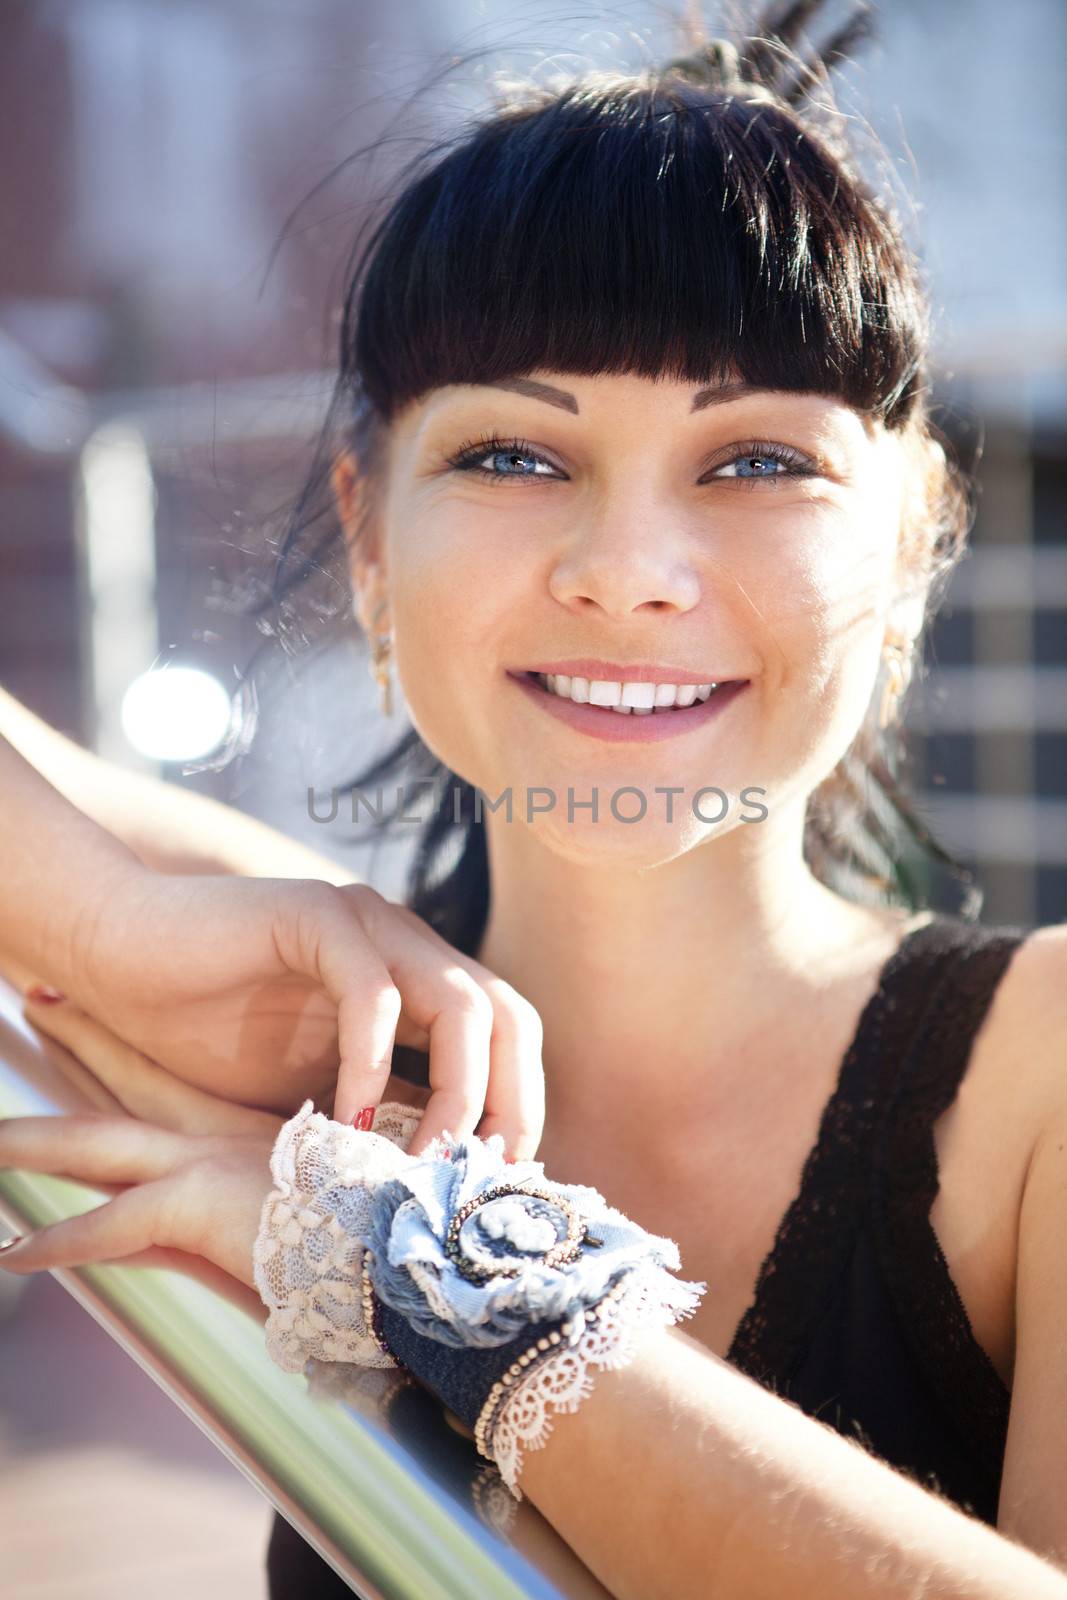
175,713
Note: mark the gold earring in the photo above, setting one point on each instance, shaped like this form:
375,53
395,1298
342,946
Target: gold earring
378,665
895,657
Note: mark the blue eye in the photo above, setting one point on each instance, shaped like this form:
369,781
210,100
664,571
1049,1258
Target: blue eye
507,452
514,458
758,459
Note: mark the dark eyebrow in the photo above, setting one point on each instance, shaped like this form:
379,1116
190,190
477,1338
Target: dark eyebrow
721,394
539,391
567,402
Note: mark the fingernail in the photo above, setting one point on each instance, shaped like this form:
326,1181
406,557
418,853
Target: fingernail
364,1119
45,994
16,1238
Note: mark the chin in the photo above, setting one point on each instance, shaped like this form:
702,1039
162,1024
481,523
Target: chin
636,846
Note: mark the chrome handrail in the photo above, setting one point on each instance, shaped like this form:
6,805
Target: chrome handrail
401,1508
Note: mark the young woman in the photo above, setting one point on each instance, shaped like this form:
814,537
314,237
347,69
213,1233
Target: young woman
639,486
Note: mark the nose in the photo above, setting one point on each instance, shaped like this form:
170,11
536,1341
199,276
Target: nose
621,560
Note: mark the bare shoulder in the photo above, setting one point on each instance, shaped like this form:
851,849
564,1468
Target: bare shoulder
1018,1075
1031,1502
1029,1033
1014,1091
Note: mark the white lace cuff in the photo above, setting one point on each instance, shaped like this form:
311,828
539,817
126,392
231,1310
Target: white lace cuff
308,1253
646,1298
308,1261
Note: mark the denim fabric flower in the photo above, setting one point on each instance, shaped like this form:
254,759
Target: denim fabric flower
472,1250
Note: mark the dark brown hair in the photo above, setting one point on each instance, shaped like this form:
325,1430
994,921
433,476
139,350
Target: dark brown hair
689,220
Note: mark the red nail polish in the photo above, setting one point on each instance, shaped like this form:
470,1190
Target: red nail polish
45,994
364,1119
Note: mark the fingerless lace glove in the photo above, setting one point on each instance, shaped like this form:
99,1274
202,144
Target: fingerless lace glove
495,1286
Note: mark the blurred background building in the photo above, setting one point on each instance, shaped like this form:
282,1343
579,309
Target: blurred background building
168,294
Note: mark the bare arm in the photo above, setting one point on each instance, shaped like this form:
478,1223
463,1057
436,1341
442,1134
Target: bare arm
679,1477
164,827
55,864
74,828
266,972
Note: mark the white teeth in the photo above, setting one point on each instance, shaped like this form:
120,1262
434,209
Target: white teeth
639,699
639,694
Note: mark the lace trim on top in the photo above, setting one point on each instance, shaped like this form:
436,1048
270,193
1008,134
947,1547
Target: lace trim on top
905,1183
814,1238
875,1148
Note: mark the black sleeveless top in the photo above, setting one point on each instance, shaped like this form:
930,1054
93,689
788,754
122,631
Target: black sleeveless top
855,1316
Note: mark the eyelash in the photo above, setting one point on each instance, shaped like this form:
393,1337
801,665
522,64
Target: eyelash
475,450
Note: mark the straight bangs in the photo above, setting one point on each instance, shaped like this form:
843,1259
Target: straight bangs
662,231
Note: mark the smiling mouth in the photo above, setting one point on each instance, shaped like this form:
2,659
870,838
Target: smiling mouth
629,699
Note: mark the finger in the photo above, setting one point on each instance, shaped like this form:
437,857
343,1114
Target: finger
460,1036
515,1096
327,943
374,972
92,1149
141,1085
108,1232
379,965
515,1099
484,1037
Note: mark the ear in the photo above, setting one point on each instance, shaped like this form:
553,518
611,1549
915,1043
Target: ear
905,619
922,462
365,565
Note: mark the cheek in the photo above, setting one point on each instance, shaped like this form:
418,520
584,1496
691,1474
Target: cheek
822,595
452,594
849,627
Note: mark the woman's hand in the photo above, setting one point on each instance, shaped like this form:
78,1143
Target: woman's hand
146,1090
201,1194
250,987
189,1171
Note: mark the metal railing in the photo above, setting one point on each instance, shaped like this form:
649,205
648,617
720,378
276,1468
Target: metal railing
396,1501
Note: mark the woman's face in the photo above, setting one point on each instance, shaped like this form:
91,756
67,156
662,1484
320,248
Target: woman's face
654,532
